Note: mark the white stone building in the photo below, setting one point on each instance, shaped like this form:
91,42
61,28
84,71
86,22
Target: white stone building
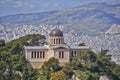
37,55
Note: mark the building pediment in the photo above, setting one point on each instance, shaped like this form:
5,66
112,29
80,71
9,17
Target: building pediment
60,48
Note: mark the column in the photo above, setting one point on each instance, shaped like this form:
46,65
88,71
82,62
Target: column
40,54
56,41
62,41
50,41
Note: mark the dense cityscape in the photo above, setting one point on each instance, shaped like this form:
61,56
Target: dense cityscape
103,41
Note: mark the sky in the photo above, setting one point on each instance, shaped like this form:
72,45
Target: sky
10,7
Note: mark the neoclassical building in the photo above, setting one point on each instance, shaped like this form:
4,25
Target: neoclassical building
37,55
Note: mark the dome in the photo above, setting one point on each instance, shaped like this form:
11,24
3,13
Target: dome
56,32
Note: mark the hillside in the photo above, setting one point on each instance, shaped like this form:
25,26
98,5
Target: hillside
86,65
114,29
87,19
12,58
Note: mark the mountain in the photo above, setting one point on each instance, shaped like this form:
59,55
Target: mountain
114,29
88,19
24,18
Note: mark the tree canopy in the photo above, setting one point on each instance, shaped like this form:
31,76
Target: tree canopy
60,75
87,65
12,58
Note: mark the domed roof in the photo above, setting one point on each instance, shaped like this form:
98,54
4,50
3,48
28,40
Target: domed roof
56,32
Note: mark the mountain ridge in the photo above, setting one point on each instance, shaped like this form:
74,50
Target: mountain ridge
89,18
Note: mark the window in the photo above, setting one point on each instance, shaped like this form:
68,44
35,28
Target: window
40,54
73,53
61,54
54,41
32,54
57,41
43,54
35,54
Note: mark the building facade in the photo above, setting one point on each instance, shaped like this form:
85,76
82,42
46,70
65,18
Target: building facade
37,55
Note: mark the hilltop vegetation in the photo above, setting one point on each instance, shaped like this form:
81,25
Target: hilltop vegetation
12,59
87,65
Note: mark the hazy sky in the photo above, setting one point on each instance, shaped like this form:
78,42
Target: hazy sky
9,7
